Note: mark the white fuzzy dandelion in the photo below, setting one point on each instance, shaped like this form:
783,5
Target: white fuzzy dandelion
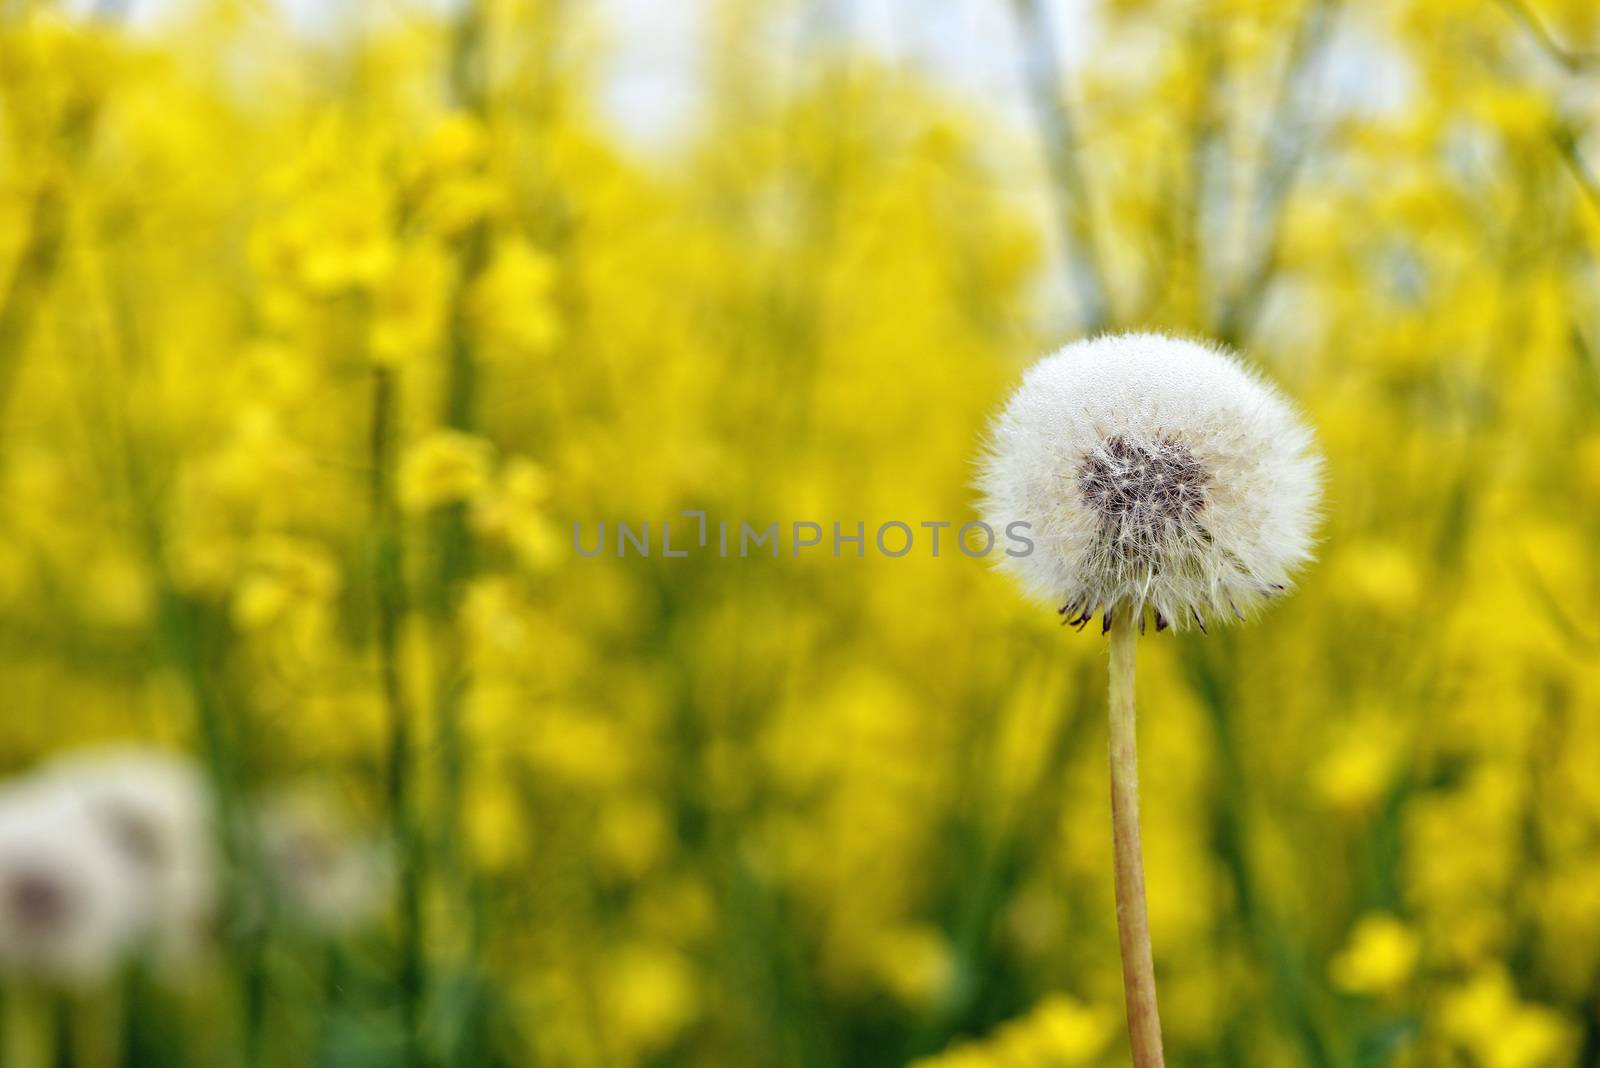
67,911
155,808
330,880
1152,473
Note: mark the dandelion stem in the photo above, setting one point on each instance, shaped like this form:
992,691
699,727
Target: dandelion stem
1133,921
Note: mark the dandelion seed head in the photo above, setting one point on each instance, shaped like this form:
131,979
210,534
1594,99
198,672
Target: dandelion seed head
156,811
67,914
1152,472
330,879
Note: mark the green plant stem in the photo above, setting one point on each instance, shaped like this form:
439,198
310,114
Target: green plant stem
39,258
1284,154
452,543
390,591
192,637
1133,920
30,278
1069,186
1290,985
64,1047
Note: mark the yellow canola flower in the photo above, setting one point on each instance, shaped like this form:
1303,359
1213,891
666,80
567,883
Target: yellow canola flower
446,467
510,303
285,576
1485,1019
1379,577
1357,770
914,963
339,237
117,590
1379,959
276,371
513,513
496,822
494,616
448,179
457,202
651,995
1522,114
335,229
60,66
633,836
260,458
458,142
1058,1032
579,750
1567,905
408,306
1067,1032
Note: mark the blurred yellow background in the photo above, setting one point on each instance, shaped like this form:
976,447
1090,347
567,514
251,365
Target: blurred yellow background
316,342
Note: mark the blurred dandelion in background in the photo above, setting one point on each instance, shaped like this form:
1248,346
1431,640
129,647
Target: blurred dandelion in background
156,811
316,866
69,916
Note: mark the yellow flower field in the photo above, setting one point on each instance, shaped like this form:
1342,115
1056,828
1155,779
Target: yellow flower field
329,356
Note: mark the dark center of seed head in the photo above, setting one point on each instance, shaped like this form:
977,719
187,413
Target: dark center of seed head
1142,489
37,902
